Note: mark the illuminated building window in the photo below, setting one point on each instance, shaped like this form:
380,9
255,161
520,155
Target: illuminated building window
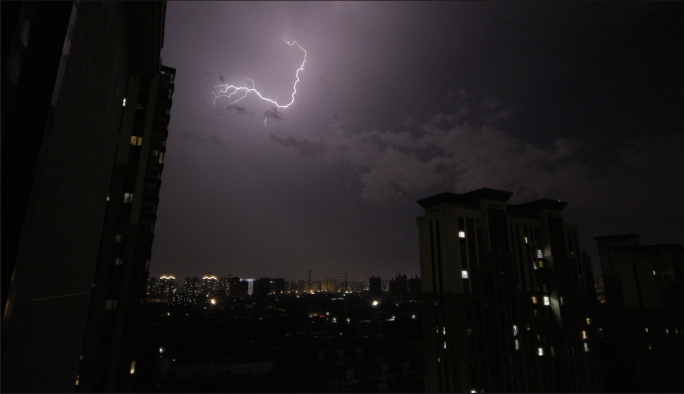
128,197
515,331
649,347
654,272
437,329
517,345
540,255
538,338
525,239
588,321
445,344
534,300
124,101
561,300
586,347
155,153
547,301
438,359
161,157
118,261
540,351
553,351
541,264
534,265
646,329
529,327
584,335
464,274
132,367
78,376
443,330
667,331
535,312
461,234
136,140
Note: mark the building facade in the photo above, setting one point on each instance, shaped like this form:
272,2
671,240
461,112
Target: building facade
506,298
642,319
69,67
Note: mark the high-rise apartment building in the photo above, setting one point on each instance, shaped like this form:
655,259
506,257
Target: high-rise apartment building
110,347
642,319
375,284
84,185
506,298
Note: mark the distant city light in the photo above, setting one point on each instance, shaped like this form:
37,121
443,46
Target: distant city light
375,303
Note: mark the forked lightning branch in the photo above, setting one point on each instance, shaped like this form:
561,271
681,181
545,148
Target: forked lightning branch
230,91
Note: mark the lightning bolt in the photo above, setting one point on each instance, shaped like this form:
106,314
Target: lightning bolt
229,91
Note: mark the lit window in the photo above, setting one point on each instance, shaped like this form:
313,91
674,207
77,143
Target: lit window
464,274
649,347
561,300
646,329
437,329
586,347
128,197
547,301
134,140
538,338
473,391
540,351
529,327
118,261
541,264
461,234
535,312
525,239
77,376
161,157
445,344
517,345
107,196
540,255
584,335
588,321
654,272
515,330
124,101
534,300
534,265
132,367
444,330
155,153
667,331
438,359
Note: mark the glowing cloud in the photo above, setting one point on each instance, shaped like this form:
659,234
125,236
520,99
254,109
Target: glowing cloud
227,90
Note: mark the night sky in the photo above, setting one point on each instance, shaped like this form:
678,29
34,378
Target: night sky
581,102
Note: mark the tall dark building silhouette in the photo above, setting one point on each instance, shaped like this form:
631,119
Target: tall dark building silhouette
506,298
375,286
642,320
85,108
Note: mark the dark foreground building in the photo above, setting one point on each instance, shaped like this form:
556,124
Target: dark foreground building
642,320
85,108
508,304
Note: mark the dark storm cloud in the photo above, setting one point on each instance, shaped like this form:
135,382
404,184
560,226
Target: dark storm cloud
273,113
